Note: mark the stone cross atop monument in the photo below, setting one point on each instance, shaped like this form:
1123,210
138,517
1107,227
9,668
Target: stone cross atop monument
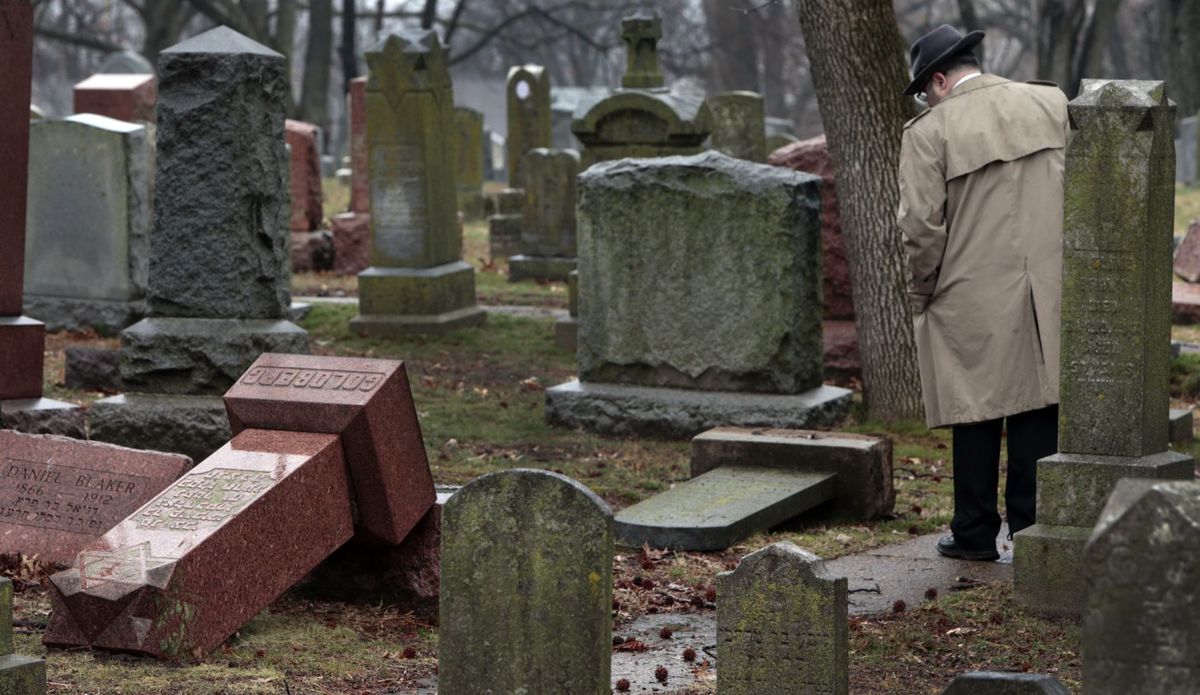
1116,329
641,33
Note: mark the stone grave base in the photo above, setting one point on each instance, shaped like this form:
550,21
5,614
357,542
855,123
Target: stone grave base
77,314
676,413
522,267
1072,491
405,301
566,333
22,675
194,426
200,356
43,416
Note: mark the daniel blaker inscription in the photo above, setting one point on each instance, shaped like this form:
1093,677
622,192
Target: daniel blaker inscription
55,496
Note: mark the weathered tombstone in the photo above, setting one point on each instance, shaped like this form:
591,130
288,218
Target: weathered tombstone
563,102
1186,150
666,245
22,339
87,239
218,287
126,63
123,97
528,88
547,242
748,480
566,329
782,626
326,448
1181,429
1116,331
305,166
468,124
526,587
738,127
506,226
993,683
812,157
643,118
1187,257
19,675
360,182
61,494
417,282
1141,624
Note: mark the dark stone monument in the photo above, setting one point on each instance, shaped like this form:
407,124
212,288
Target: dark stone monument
22,339
526,587
1116,331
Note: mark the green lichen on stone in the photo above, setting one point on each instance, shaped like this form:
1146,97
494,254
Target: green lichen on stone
526,587
6,616
549,208
739,125
528,89
172,618
22,675
416,292
782,625
670,245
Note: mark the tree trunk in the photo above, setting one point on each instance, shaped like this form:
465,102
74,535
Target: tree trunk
1180,41
429,14
970,21
314,100
349,55
1059,27
1089,58
285,38
858,70
164,22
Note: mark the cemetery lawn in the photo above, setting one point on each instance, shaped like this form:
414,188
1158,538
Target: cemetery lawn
479,395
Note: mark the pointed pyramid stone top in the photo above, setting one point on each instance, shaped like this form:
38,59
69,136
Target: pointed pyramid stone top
222,40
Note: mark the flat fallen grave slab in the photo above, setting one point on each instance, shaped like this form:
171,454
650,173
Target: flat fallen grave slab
369,403
57,495
192,565
721,507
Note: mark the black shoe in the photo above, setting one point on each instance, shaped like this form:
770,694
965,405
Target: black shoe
949,547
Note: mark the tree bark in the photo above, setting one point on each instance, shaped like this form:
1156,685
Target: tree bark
858,69
349,52
970,20
429,14
1059,26
314,99
1089,58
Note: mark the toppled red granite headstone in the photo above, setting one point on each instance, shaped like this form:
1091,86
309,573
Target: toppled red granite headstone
812,156
306,175
360,182
368,402
1187,256
57,495
184,572
123,97
325,449
351,242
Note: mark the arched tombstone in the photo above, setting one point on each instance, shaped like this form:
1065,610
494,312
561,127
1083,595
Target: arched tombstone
526,587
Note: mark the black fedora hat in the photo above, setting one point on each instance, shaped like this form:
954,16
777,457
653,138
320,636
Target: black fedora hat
934,48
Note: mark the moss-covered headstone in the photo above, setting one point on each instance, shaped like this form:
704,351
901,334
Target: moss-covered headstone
1116,330
526,595
219,278
739,125
548,233
643,118
417,282
468,125
529,117
504,227
19,675
782,626
1141,626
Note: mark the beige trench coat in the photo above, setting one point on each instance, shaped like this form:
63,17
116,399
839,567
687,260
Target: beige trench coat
981,209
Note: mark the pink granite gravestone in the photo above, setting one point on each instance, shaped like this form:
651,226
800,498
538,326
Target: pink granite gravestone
57,495
22,339
306,175
360,185
123,97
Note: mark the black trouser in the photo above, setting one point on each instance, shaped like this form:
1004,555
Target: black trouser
1032,435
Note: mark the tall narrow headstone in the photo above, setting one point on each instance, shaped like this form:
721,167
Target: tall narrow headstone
22,339
526,598
360,178
218,285
506,225
566,329
667,245
738,125
1141,625
782,626
528,90
87,240
468,125
643,118
19,675
304,141
417,282
1116,331
548,231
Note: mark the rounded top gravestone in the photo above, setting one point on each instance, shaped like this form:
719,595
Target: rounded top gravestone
526,590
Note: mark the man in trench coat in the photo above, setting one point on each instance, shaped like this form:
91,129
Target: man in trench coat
981,209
